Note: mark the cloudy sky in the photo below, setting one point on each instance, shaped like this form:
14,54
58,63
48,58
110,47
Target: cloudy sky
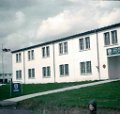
28,22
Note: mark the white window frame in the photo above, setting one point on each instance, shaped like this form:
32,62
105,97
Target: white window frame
31,73
84,43
46,51
64,69
46,72
18,58
85,68
111,39
31,55
63,48
18,74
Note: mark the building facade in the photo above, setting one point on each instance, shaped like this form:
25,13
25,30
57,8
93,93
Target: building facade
92,55
5,78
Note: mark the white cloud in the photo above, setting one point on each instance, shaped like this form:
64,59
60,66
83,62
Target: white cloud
110,18
19,18
78,18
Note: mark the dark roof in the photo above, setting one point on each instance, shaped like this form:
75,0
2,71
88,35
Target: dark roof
70,37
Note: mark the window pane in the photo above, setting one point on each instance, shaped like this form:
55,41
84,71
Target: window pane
65,47
82,67
61,48
81,43
47,51
44,71
66,69
28,55
33,72
88,65
43,52
32,54
61,70
48,71
16,58
114,37
106,38
19,57
87,42
29,73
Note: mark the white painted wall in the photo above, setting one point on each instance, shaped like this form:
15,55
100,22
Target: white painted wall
73,58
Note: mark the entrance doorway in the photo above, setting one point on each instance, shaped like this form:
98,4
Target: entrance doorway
114,67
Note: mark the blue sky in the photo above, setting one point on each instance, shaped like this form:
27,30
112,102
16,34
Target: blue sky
28,22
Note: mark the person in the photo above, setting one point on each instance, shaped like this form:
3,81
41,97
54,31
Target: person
92,106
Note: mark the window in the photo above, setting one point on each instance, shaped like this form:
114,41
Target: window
81,43
18,74
63,48
114,36
64,69
18,58
107,38
85,67
46,71
84,43
87,42
31,73
31,55
110,40
46,51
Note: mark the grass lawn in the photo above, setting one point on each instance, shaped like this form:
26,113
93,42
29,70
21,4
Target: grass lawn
106,95
33,88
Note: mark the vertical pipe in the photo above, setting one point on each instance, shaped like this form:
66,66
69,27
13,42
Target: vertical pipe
98,55
54,71
24,66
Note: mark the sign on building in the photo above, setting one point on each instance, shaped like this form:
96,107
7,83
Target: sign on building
113,51
16,87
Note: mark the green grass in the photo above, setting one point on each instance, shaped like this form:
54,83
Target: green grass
106,95
33,88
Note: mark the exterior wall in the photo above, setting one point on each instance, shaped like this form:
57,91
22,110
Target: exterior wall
103,54
96,54
17,66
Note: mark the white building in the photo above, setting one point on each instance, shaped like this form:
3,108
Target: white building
5,78
92,55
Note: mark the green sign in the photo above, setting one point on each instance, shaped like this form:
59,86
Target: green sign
113,51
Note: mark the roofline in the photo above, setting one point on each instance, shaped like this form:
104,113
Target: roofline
69,37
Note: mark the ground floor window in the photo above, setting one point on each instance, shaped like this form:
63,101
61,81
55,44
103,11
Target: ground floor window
85,67
46,71
31,73
18,74
64,69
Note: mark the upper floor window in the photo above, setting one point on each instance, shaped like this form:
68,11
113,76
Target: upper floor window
107,38
64,69
114,36
85,67
18,57
110,39
18,74
46,71
31,73
31,55
63,48
46,51
84,43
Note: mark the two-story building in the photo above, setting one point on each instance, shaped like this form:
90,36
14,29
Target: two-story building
92,55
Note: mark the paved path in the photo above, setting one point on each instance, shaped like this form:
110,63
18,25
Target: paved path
21,98
13,111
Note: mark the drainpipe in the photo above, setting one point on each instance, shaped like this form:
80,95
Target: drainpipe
24,66
98,55
54,70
